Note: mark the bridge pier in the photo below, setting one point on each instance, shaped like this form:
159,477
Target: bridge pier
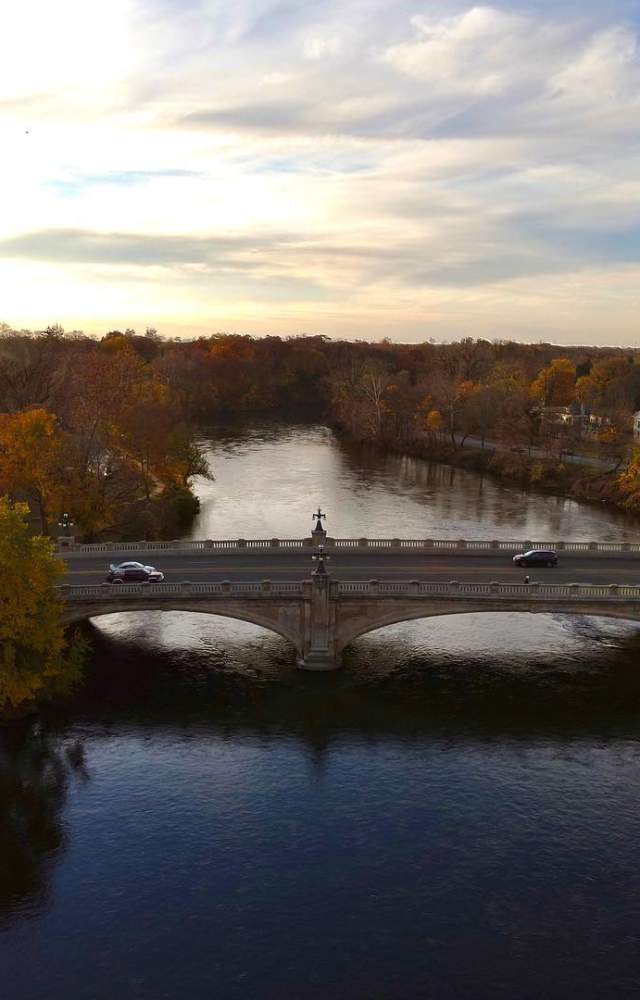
319,644
319,660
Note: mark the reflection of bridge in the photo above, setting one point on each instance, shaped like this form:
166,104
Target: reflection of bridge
321,615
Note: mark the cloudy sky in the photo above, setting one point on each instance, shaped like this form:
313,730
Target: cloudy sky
349,167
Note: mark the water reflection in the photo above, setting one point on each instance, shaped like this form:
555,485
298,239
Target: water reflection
34,776
268,480
478,669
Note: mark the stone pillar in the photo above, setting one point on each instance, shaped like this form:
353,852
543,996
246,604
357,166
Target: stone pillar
318,537
319,649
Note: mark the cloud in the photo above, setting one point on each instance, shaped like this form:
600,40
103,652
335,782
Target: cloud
502,71
418,159
450,252
474,53
84,246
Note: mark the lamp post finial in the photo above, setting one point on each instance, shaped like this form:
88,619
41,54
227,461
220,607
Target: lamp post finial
319,517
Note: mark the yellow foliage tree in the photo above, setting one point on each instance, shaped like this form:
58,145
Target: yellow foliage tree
629,480
36,661
556,384
430,415
433,421
587,391
32,460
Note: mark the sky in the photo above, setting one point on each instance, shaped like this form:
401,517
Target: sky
354,168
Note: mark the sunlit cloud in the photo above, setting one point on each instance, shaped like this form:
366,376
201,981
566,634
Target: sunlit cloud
353,168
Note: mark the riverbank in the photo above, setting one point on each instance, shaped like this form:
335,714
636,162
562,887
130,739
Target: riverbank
167,514
578,482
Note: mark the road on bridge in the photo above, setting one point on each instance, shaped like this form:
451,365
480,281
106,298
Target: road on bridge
466,567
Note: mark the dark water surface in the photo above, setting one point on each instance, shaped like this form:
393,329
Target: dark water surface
454,815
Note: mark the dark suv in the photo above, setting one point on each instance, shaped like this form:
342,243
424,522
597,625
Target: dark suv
134,572
536,557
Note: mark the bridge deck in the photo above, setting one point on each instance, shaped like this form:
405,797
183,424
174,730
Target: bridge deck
296,566
370,585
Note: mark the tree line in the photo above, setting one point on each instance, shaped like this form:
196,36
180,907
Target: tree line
107,428
92,429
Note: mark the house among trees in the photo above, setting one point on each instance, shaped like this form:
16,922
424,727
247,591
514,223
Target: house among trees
576,415
636,424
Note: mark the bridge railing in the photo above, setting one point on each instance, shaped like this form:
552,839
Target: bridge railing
241,546
184,545
507,591
184,588
105,592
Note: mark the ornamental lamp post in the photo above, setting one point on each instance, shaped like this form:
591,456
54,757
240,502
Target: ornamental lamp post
320,558
65,524
318,534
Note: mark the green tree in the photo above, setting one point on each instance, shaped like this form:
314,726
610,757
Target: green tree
36,661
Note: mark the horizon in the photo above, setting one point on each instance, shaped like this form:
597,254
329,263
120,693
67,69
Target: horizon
6,330
435,171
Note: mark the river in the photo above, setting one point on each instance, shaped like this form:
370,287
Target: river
453,815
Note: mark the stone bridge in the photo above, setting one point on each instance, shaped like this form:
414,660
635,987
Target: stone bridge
321,615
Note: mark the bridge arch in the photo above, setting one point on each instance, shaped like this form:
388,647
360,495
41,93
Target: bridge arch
259,617
349,632
320,617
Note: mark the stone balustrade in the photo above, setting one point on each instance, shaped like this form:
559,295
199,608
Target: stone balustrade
368,589
242,546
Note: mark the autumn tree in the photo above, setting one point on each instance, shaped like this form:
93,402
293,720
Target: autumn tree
143,427
36,661
374,383
184,458
612,383
433,421
33,368
356,391
469,360
187,371
402,412
555,384
482,410
32,461
614,436
629,480
429,418
452,394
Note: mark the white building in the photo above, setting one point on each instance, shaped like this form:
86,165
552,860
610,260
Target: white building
636,424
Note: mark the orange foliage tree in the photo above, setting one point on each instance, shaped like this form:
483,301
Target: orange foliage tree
556,384
35,659
32,461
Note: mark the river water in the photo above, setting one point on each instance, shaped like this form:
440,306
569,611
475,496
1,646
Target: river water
453,815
